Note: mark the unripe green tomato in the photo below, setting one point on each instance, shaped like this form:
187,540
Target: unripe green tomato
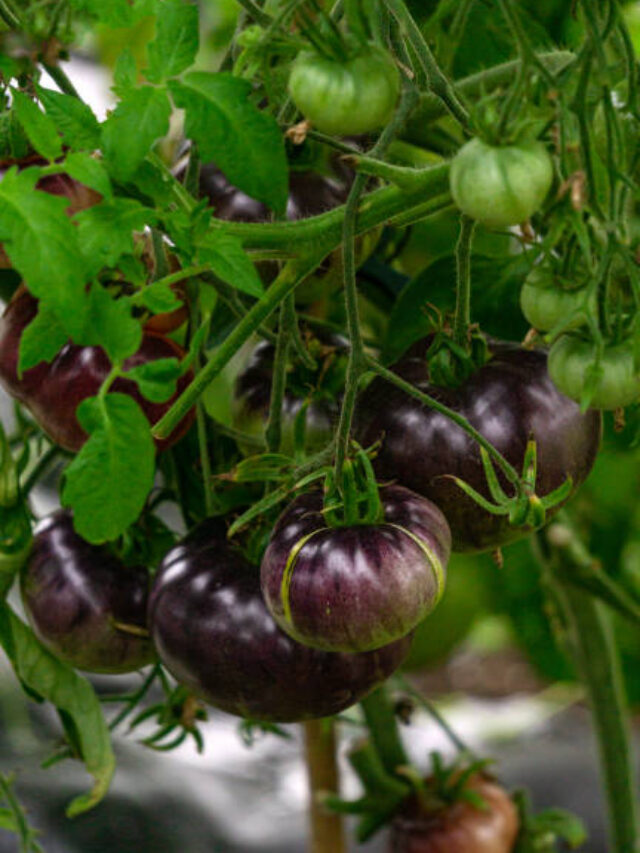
500,185
545,303
346,98
571,357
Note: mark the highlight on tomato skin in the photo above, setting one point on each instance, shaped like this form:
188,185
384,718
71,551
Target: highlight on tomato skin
53,391
355,588
84,605
213,632
509,400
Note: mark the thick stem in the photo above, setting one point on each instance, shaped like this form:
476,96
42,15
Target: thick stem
326,828
292,273
596,658
383,730
463,286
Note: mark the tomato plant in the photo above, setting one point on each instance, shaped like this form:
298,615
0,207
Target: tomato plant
269,302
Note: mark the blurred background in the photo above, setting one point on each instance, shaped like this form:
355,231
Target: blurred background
487,659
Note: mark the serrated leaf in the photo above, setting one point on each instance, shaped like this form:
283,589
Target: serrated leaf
175,46
73,118
139,120
42,673
109,480
42,339
39,239
156,379
111,326
105,231
228,260
116,13
245,142
125,73
159,298
39,127
89,171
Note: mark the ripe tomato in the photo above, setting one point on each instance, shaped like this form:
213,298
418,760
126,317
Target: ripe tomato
510,399
618,385
460,827
500,185
83,603
358,587
346,98
546,302
53,391
213,632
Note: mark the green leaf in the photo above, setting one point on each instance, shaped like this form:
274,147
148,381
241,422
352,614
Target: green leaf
8,820
141,118
116,13
42,673
175,46
111,326
228,260
156,379
89,171
245,142
105,231
72,117
39,239
42,339
159,298
109,480
125,73
38,126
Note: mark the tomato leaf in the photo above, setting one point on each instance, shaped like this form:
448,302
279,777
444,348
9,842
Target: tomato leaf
50,679
89,171
72,117
159,298
176,43
39,238
111,326
229,129
156,379
116,13
42,339
39,127
228,260
125,73
105,231
109,480
141,117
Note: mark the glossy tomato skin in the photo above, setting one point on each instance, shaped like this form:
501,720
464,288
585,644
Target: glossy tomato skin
73,593
252,398
53,391
619,385
509,399
346,98
500,185
214,633
360,587
460,827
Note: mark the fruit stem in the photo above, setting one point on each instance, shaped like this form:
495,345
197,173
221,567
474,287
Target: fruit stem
273,432
254,11
592,647
383,729
326,828
463,282
292,273
525,49
439,84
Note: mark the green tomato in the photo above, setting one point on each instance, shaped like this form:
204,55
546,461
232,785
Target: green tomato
346,98
446,627
545,303
618,383
500,185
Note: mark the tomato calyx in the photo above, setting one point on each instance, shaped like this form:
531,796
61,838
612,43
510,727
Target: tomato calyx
451,363
524,508
356,499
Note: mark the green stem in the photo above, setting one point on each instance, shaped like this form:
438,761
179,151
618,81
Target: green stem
161,266
273,432
463,283
326,828
527,53
383,730
292,273
254,11
61,79
201,415
597,660
39,469
440,84
507,469
9,15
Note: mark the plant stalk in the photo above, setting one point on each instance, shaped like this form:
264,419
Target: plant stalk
326,828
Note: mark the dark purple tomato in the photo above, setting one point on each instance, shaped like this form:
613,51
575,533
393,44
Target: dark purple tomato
53,391
510,399
322,388
359,587
85,605
460,827
213,632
